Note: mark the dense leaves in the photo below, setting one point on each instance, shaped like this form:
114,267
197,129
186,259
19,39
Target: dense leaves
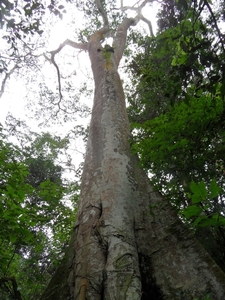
177,112
35,217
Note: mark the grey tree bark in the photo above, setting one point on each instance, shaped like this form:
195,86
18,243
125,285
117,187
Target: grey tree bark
128,242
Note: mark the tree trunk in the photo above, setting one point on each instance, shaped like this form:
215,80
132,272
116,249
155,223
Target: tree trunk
128,242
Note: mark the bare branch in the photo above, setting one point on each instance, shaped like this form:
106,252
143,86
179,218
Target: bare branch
5,79
148,22
134,7
58,75
52,60
81,46
99,34
144,3
102,13
119,40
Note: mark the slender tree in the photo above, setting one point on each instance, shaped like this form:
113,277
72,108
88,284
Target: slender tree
128,242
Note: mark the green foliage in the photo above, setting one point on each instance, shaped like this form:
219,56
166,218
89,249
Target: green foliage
35,219
177,109
201,198
199,192
178,141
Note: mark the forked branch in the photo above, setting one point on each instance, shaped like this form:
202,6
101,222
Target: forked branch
148,22
119,41
99,34
138,10
134,7
81,46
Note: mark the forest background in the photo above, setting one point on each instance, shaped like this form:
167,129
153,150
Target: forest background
175,90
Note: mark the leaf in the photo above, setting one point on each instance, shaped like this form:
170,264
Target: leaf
214,189
222,220
12,238
196,199
191,211
206,221
11,23
222,88
199,220
199,191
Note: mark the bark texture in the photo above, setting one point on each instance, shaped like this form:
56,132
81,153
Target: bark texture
170,256
106,263
128,242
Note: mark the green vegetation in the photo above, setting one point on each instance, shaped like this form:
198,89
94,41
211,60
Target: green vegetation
177,115
36,213
177,112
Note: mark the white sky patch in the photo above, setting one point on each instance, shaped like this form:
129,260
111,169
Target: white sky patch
14,100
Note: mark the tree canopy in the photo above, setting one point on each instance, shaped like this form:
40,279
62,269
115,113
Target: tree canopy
177,111
37,211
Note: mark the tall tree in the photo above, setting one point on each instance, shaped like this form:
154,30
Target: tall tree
128,242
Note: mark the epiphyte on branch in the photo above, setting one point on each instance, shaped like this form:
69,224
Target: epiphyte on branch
108,48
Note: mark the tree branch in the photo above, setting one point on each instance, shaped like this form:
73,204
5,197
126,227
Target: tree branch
81,46
102,13
133,7
139,16
215,22
7,75
15,293
148,22
119,40
58,75
52,60
99,34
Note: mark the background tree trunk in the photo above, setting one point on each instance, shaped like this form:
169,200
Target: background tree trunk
128,242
